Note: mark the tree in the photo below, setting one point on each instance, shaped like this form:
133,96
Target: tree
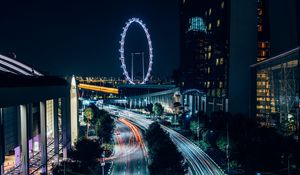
165,158
104,128
168,160
177,110
198,123
149,108
88,116
67,167
86,152
158,109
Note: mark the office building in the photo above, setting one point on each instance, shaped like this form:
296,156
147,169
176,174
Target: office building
38,118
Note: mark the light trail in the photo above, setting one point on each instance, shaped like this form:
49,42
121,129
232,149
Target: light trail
130,152
137,134
199,162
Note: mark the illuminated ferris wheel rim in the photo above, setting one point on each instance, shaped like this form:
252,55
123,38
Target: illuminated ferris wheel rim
121,50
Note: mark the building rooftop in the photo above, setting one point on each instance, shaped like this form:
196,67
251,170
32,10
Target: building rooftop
12,80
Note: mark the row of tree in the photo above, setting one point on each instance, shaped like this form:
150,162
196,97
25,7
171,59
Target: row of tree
247,145
85,156
100,121
165,159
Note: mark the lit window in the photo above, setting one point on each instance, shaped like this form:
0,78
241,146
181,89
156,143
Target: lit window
217,61
209,26
259,11
218,22
208,70
209,11
222,4
262,53
259,28
208,84
209,55
221,84
209,48
262,45
260,59
221,60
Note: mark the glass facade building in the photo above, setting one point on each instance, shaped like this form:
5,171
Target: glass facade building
278,86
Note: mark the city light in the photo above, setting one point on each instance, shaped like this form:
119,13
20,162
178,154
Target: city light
99,88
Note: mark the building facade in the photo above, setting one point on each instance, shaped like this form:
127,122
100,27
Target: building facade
193,31
223,60
38,119
277,67
217,15
264,99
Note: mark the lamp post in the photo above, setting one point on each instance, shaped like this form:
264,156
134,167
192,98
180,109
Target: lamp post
102,155
125,102
103,163
198,130
227,148
288,161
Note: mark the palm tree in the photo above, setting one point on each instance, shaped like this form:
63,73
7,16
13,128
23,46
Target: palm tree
158,109
88,115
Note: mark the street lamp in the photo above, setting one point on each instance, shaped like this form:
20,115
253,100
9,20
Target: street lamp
125,102
198,130
227,148
103,162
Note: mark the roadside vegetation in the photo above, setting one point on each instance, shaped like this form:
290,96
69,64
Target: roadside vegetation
165,159
85,157
243,145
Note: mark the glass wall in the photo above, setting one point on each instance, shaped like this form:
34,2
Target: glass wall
277,93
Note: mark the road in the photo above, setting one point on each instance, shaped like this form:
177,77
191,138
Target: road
130,153
199,162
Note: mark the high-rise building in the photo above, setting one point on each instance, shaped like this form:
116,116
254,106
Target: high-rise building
193,32
223,52
217,15
264,99
205,50
278,68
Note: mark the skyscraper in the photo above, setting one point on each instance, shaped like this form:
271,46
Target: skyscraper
217,60
217,15
277,68
193,32
263,94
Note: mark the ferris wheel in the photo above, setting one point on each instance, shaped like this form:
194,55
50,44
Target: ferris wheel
122,57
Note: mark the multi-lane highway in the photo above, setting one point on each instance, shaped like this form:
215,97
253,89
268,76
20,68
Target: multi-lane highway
199,162
130,155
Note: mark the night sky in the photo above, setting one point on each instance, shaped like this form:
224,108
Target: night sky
82,37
